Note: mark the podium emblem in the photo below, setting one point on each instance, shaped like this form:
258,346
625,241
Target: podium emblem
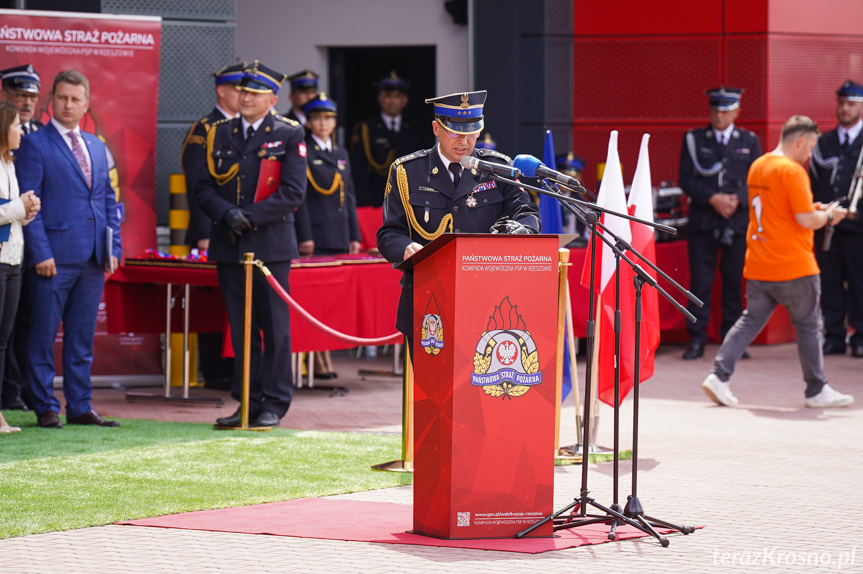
506,363
432,329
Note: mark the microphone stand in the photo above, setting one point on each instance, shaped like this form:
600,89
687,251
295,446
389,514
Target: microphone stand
633,514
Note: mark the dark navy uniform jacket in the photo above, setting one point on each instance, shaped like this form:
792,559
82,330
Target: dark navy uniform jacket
417,212
831,170
707,168
328,218
272,236
193,157
373,149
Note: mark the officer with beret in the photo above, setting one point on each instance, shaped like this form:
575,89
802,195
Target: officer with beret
256,180
21,89
193,156
304,86
428,193
377,141
714,162
835,160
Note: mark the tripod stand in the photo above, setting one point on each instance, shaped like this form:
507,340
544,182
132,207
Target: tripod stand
633,514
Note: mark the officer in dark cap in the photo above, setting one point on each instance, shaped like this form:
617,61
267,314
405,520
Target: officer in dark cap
714,162
428,193
193,156
377,141
193,159
835,160
257,180
327,220
304,86
21,89
486,142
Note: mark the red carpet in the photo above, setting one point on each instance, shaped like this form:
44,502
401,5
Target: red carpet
341,519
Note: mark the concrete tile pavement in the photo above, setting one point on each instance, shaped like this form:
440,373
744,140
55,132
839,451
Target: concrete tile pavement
773,483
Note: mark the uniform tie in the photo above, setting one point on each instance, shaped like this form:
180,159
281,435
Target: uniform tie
25,129
250,131
847,141
455,169
78,152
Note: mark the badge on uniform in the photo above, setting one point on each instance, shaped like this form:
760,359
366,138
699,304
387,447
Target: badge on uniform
301,149
262,152
342,164
484,186
470,201
434,170
318,162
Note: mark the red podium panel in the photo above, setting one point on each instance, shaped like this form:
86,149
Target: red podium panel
485,317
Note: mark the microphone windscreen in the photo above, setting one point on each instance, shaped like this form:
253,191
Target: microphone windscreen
527,164
468,162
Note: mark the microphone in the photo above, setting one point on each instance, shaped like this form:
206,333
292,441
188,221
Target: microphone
470,162
532,167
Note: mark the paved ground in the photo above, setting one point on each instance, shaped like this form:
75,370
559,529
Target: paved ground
774,484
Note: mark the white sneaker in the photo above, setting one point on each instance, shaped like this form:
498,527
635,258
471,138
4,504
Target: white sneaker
829,397
719,392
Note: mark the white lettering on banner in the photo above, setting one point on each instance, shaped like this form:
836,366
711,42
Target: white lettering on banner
528,258
72,38
70,51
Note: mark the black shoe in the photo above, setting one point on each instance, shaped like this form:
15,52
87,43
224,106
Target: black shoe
265,419
326,376
15,405
745,355
832,348
857,350
694,350
91,418
234,419
49,420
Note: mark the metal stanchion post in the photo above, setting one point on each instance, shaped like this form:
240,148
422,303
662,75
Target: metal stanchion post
406,464
248,261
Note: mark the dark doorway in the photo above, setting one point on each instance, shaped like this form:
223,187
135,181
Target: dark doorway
355,72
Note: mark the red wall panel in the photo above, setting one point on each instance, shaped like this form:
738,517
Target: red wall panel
626,17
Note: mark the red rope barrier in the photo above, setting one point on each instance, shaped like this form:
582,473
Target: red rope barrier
388,340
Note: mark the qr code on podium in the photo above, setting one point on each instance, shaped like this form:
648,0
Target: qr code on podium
463,519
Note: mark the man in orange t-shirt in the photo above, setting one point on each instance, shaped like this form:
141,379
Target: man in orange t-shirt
780,265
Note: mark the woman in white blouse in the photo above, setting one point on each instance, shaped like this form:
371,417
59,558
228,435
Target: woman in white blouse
16,209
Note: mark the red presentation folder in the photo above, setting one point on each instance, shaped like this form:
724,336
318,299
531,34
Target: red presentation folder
269,179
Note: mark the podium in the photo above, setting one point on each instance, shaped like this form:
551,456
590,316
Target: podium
485,336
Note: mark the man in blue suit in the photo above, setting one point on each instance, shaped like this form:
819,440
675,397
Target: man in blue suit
67,250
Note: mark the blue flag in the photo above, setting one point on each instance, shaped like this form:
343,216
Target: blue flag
552,222
549,208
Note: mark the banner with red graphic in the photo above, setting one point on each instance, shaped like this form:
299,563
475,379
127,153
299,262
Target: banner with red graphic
120,57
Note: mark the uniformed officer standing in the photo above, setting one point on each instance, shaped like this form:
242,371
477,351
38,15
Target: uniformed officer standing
193,156
377,141
714,162
21,86
257,168
327,219
429,193
834,161
304,87
21,89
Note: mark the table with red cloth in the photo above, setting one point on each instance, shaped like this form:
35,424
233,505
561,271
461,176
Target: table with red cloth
672,258
358,299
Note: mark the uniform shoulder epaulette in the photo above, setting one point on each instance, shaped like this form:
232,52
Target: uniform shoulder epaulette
493,153
204,120
410,156
287,120
220,122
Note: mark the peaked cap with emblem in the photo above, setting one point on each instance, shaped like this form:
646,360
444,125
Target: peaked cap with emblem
570,163
320,104
22,78
305,80
393,83
230,74
486,142
851,91
460,113
260,79
724,98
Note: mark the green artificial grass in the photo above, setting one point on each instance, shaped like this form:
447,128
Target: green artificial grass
60,479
